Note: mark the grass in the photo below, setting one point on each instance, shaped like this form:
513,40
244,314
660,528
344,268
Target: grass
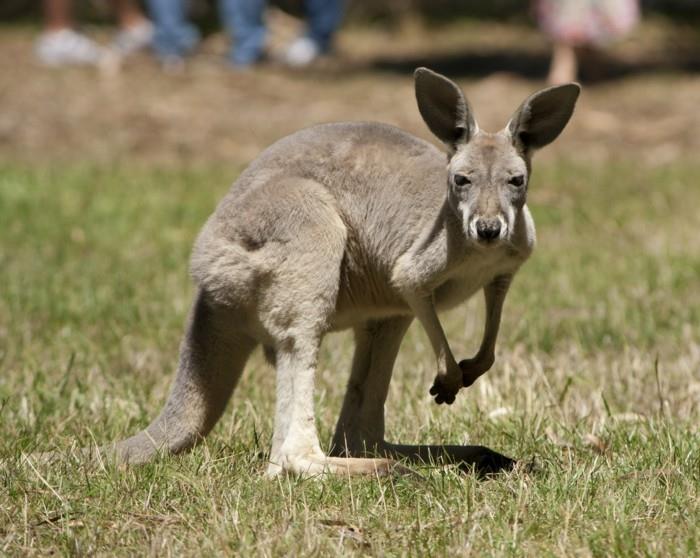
597,381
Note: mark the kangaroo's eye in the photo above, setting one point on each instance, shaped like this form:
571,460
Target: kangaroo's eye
517,180
461,180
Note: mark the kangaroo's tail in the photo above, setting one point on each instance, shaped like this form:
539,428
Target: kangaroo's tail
212,356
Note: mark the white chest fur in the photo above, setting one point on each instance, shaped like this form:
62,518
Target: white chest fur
478,269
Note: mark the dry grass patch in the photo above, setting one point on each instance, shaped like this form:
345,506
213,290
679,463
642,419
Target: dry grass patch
597,383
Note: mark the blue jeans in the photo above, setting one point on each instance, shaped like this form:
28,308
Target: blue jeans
323,18
174,35
244,21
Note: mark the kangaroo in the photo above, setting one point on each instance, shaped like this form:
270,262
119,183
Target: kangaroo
363,226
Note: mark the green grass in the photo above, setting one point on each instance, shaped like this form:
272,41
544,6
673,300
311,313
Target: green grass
597,381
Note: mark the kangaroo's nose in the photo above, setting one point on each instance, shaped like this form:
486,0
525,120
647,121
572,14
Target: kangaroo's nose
488,229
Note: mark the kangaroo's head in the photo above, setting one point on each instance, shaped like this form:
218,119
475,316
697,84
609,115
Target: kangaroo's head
488,174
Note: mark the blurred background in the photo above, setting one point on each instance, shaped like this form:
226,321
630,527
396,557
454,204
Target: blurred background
640,72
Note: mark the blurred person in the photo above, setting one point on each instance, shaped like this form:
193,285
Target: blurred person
174,37
578,25
323,17
244,21
60,44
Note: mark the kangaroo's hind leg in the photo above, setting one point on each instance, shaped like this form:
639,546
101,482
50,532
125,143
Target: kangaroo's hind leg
360,427
296,447
295,310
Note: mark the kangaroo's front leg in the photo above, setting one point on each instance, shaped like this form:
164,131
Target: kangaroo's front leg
494,293
448,380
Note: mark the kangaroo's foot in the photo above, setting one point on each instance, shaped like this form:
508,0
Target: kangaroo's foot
321,465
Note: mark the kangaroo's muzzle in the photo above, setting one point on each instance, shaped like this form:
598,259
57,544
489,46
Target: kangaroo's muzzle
488,230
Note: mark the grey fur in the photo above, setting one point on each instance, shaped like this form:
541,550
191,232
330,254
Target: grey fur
353,225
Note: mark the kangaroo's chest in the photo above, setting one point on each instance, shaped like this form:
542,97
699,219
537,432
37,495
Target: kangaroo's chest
472,275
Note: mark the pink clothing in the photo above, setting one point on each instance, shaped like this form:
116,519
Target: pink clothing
586,22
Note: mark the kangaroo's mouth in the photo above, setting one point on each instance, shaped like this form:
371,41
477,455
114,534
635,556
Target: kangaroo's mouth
489,241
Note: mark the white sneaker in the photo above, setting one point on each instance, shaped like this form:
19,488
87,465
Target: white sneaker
58,48
302,52
134,38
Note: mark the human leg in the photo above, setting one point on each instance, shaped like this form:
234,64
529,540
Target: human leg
59,44
136,31
564,65
174,36
245,24
323,19
57,14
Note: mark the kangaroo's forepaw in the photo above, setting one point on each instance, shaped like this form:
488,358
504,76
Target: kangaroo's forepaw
472,368
444,391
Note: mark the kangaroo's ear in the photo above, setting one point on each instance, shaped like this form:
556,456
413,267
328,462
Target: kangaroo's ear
444,108
543,115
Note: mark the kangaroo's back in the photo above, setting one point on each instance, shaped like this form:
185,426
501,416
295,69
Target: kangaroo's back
382,181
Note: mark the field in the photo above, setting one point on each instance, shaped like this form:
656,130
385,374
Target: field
596,386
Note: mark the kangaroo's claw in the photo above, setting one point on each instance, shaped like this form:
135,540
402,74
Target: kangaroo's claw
443,392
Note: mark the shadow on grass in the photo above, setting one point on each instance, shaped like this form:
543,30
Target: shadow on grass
595,68
480,460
